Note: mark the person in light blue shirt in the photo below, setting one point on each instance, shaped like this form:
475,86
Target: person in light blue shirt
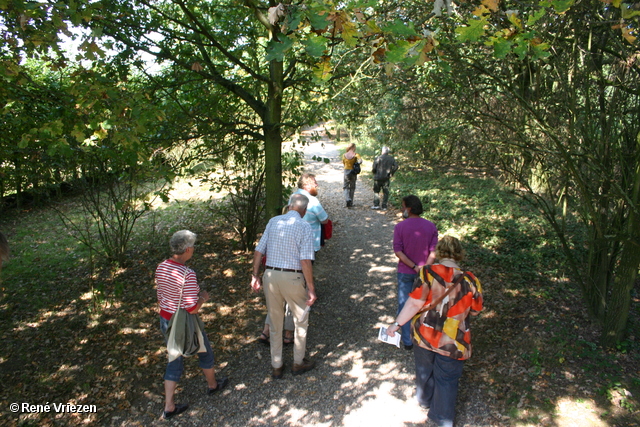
316,215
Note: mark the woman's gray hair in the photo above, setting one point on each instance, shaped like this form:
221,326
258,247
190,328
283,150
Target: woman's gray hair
181,240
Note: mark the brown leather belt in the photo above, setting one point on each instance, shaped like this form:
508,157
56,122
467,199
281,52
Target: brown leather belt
284,269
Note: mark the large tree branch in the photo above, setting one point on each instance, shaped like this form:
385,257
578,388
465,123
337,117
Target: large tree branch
114,29
201,29
259,15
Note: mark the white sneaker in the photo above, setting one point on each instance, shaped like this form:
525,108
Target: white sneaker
375,207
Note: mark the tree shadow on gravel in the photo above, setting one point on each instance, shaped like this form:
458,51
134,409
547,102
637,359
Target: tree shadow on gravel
535,351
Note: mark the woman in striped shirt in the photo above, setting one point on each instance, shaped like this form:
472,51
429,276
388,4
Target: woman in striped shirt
171,275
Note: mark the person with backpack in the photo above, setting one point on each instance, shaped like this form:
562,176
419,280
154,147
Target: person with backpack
384,166
351,161
438,311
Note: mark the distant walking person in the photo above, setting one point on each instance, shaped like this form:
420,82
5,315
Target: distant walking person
445,298
384,166
287,242
414,243
177,287
348,160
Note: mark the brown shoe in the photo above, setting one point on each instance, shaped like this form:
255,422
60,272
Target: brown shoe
305,366
277,373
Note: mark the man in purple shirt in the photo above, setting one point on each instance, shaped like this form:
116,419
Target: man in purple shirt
414,243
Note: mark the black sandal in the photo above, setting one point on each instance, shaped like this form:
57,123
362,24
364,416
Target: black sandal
264,338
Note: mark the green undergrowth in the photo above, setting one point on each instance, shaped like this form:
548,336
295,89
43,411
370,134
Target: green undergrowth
534,345
86,333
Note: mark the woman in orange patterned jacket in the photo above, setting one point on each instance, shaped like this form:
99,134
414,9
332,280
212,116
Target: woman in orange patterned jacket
439,307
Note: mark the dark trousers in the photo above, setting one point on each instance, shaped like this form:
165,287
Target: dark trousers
437,384
349,185
381,185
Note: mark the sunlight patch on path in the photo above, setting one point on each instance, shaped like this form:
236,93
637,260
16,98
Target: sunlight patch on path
572,413
383,408
382,269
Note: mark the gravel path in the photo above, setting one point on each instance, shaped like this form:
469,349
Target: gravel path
358,380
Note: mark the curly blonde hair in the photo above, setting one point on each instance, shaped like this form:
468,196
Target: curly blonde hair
450,247
306,179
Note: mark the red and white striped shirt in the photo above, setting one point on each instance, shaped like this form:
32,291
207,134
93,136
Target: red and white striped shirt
169,277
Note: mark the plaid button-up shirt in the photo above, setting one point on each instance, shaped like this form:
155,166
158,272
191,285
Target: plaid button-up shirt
287,240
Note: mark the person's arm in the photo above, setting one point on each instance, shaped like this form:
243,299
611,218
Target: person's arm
256,280
409,263
203,297
322,214
307,271
411,307
394,168
477,301
431,258
191,290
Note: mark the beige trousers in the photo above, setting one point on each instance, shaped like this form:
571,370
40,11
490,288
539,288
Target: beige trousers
289,287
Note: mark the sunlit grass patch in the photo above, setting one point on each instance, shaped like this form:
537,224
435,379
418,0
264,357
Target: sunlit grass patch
494,224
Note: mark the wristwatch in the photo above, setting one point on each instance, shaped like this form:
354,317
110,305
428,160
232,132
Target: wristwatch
397,324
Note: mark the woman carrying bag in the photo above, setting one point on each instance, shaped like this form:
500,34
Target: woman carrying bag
177,287
438,308
351,161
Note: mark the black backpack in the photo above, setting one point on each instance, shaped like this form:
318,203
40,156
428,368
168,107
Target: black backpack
356,167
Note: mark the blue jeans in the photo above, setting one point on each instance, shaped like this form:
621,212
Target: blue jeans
405,286
175,368
437,384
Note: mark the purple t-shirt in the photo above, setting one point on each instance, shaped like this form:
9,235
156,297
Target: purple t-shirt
416,238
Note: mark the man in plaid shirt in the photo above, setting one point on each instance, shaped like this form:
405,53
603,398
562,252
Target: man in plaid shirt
287,243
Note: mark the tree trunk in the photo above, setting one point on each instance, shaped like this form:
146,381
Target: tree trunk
273,170
599,256
615,322
273,140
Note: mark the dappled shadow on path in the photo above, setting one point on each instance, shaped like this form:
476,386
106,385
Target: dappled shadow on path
58,349
358,381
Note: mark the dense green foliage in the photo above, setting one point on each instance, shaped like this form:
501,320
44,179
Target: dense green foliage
564,132
543,94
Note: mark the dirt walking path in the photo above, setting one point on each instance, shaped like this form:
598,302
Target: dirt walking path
358,380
